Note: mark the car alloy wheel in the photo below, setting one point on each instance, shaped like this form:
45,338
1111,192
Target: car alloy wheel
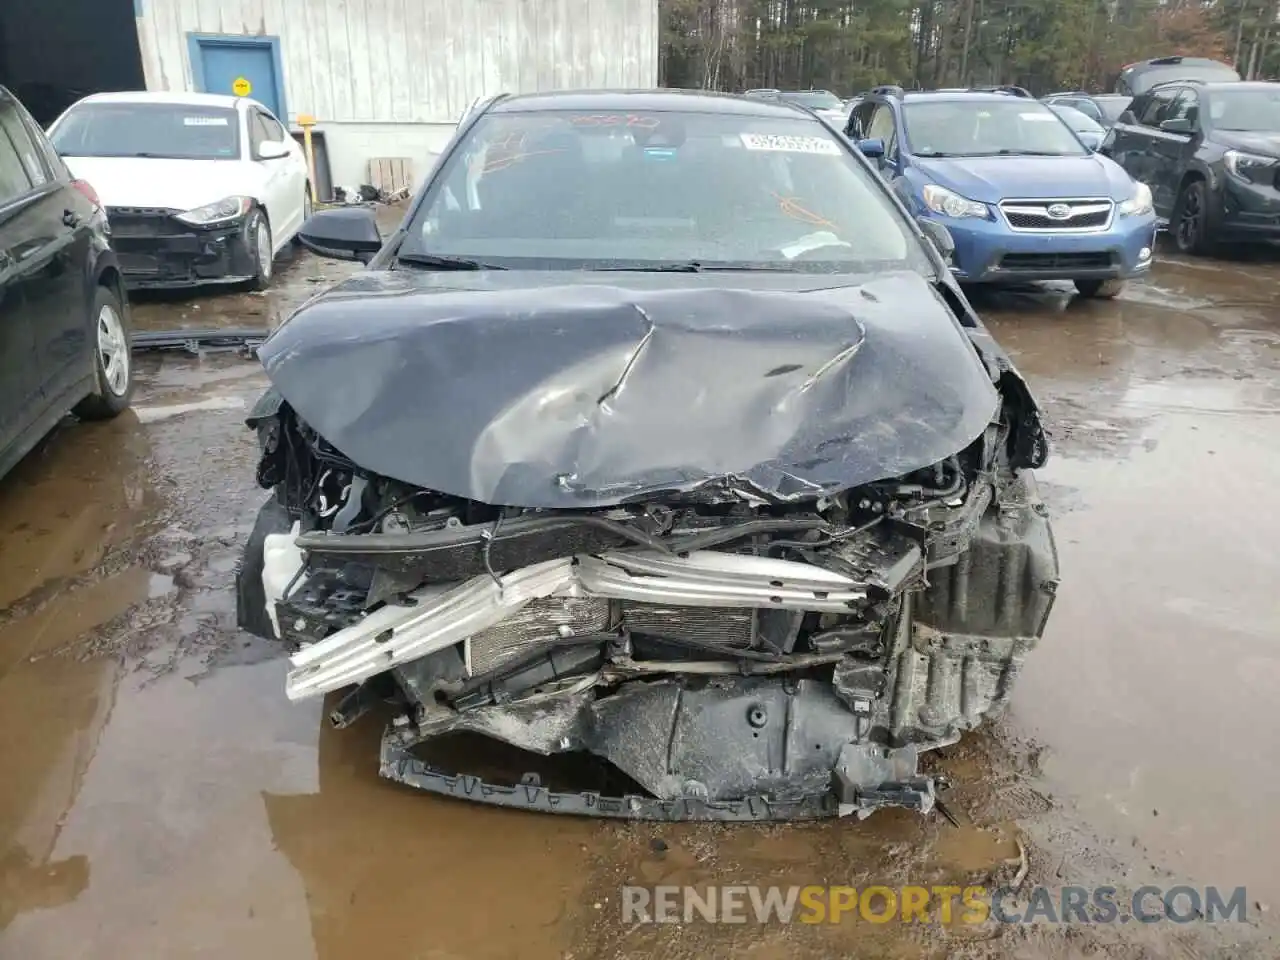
262,240
258,239
113,350
1190,231
109,344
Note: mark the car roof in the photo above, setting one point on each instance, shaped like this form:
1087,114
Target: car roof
182,98
1175,61
972,96
1211,85
657,101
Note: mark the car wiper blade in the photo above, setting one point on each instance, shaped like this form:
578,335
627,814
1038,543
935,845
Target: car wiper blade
696,266
442,262
935,153
1031,153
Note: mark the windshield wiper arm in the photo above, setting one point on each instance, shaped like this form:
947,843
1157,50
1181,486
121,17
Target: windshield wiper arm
695,266
442,262
1031,153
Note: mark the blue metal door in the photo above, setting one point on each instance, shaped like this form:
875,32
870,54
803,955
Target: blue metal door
244,67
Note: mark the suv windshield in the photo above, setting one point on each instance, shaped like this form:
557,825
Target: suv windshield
166,130
1077,121
813,99
1112,107
986,128
1257,109
618,190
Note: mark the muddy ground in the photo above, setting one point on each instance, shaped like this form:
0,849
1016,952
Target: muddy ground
159,797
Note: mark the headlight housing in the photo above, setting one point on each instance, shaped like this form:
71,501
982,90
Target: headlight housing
1138,204
1249,167
951,204
227,210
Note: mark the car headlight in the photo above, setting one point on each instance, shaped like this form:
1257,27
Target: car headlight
1138,204
223,211
1248,166
951,204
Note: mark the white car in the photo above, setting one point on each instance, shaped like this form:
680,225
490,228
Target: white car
198,188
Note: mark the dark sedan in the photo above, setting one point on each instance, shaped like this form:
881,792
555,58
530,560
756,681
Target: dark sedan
658,421
64,321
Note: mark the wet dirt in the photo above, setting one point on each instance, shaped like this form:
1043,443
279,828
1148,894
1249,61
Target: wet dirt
162,798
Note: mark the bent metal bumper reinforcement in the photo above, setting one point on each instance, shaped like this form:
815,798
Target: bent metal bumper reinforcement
439,616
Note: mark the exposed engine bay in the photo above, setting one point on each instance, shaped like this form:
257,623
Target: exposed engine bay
736,652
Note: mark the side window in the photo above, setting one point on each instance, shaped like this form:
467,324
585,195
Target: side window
20,138
14,178
258,132
882,128
1186,107
1088,108
275,129
860,120
1157,108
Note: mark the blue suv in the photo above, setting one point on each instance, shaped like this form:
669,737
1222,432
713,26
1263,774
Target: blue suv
1023,198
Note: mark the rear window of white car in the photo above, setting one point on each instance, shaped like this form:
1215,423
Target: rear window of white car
160,130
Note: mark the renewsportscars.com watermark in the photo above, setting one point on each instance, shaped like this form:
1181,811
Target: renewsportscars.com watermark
933,904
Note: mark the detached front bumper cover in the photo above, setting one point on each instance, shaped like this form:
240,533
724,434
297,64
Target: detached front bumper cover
846,795
700,753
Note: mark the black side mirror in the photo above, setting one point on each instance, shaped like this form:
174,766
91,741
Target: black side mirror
939,236
343,233
1176,125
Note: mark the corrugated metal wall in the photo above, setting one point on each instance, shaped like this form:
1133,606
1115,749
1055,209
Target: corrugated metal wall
420,61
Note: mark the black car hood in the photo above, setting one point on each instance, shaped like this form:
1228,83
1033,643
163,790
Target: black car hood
573,389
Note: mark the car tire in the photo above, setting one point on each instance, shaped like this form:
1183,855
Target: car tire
257,234
1190,224
1099,289
112,359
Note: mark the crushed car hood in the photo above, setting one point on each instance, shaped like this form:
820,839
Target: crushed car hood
584,390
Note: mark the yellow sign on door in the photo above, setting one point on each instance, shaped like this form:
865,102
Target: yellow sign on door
241,87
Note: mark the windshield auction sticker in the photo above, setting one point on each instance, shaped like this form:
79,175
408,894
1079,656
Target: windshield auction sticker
205,122
779,143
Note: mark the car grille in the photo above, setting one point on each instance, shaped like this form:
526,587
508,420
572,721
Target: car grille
143,222
1056,261
1058,215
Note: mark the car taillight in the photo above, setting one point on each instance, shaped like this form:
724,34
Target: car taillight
87,190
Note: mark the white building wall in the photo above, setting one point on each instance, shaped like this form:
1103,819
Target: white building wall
391,77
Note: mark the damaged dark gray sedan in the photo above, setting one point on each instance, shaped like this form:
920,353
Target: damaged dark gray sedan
658,433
